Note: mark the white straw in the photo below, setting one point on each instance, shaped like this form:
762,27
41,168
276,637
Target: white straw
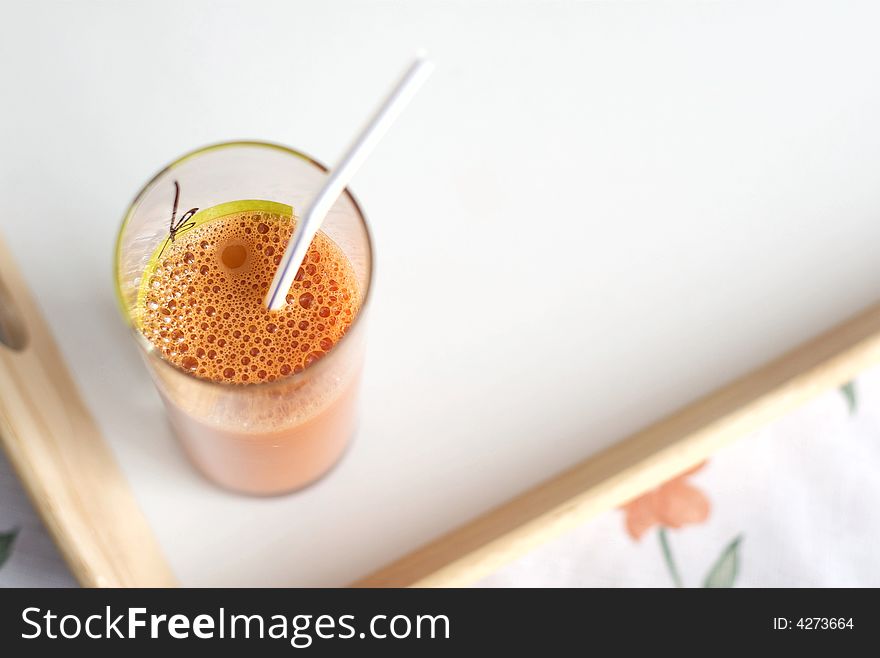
339,178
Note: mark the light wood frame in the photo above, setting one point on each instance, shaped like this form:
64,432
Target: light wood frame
56,448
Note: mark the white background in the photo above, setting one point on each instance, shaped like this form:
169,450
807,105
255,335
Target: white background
592,214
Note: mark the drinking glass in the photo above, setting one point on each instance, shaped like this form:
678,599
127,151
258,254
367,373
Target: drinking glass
268,437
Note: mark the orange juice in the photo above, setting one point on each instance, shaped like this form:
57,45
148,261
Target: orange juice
201,307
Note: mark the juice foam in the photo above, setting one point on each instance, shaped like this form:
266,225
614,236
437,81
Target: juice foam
202,305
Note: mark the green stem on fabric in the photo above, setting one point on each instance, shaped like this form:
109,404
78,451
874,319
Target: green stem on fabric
668,558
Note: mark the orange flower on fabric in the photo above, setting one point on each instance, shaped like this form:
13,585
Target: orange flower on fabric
673,504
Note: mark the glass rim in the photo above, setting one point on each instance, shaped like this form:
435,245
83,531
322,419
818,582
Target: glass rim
150,349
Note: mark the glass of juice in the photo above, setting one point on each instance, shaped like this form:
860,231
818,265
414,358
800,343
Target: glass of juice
263,402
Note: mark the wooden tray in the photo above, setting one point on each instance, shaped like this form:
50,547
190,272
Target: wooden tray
592,217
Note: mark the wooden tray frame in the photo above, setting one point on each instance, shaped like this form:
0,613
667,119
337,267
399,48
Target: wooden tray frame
54,445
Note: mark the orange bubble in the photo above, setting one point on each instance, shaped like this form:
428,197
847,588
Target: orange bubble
234,256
